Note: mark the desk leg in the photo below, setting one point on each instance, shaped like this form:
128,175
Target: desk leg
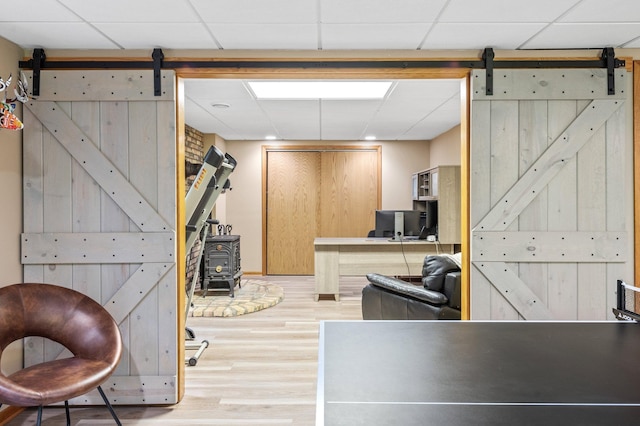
327,271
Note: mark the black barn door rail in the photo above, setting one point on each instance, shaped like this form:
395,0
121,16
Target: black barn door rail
39,62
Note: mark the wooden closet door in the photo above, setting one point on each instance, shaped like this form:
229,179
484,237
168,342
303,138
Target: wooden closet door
330,193
293,199
348,193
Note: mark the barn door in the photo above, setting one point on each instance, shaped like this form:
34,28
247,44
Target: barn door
99,178
551,199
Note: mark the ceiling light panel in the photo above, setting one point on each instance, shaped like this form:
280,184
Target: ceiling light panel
319,89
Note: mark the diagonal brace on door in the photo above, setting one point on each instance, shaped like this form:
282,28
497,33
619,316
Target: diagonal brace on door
547,166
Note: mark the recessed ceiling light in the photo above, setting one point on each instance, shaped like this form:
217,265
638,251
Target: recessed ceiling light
220,105
342,90
370,138
270,138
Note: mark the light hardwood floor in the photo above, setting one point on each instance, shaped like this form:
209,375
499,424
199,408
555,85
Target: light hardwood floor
259,369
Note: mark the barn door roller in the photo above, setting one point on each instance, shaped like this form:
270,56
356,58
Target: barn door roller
487,57
607,60
158,57
608,56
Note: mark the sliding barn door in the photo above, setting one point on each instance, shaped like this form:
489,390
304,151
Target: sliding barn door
100,216
551,194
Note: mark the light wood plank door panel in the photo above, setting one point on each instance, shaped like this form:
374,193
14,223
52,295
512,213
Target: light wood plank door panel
551,215
100,188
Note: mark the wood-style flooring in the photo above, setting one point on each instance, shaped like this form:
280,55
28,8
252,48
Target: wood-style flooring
259,369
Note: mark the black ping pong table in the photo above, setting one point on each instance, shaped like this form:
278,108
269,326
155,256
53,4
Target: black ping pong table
478,373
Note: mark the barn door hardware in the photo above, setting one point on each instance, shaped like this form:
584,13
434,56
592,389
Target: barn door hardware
487,57
38,61
158,57
608,57
607,60
157,63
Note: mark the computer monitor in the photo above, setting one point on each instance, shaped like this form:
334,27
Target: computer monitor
386,223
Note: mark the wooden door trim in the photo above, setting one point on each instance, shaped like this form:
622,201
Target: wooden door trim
317,148
636,171
465,194
358,73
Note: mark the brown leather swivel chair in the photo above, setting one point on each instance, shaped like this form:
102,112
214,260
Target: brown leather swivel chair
75,321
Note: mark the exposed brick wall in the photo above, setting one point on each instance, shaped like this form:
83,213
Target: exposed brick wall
193,149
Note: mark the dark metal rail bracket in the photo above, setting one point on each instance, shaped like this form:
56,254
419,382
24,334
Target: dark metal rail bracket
157,63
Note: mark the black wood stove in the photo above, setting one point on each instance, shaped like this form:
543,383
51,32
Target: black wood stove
221,264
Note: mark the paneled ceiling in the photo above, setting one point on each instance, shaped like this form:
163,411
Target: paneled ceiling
414,109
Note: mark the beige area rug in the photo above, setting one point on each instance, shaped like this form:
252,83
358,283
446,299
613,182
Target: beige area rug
254,295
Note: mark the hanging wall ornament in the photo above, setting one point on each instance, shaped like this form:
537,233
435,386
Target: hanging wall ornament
8,120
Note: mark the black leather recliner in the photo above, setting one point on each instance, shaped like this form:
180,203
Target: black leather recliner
387,298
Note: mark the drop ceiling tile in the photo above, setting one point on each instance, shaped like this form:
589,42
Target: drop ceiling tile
407,110
266,36
604,11
440,89
37,11
633,44
299,119
251,11
162,35
505,11
584,36
379,11
429,129
217,90
347,119
67,35
245,119
479,36
199,118
372,36
395,118
138,11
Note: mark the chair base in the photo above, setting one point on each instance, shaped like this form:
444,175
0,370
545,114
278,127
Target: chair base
66,410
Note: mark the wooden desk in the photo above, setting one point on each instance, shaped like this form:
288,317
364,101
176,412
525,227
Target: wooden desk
359,256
